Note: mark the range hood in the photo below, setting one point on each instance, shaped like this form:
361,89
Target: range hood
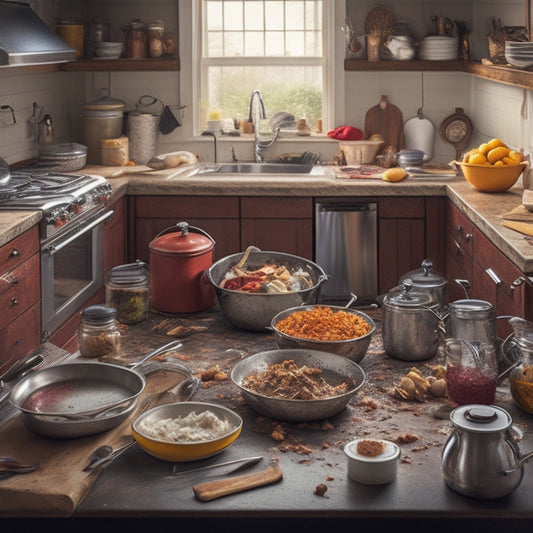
25,39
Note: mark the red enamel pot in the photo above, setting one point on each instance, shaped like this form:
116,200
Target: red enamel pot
179,258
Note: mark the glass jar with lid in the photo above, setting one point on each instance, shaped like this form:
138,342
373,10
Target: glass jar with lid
99,334
127,289
156,39
521,376
136,39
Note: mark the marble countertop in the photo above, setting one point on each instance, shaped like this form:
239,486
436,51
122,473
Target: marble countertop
483,209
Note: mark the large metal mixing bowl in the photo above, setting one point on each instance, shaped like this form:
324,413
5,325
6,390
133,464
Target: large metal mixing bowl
354,349
255,311
335,370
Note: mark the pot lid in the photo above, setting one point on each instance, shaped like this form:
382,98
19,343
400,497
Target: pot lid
99,314
62,150
129,275
182,239
104,102
481,418
425,277
469,308
408,298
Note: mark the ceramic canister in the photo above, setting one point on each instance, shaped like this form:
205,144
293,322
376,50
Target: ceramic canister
142,136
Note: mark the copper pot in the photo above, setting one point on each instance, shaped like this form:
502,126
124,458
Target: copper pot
179,257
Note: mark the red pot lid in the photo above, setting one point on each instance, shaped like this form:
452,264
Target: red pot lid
182,239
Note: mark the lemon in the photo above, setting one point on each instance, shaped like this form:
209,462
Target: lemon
497,154
484,148
477,159
495,143
515,157
394,174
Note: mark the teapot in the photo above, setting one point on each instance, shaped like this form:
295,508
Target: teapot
480,458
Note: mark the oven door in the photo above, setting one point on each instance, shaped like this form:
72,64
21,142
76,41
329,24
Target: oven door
71,270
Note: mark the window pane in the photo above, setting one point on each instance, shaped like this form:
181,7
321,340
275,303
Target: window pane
313,44
214,15
295,43
233,15
253,15
313,15
294,12
274,45
233,45
274,19
253,43
297,90
214,44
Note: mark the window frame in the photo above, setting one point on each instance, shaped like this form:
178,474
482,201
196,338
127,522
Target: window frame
333,91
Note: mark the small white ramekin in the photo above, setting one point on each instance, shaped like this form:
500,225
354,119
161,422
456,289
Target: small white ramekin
372,470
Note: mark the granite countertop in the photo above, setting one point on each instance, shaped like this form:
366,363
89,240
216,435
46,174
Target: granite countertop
483,209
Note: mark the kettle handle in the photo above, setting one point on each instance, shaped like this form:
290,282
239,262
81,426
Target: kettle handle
185,228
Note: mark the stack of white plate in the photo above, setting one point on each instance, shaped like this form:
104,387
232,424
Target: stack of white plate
519,54
438,48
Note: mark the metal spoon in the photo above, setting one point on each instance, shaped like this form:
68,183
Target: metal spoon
245,462
104,454
10,466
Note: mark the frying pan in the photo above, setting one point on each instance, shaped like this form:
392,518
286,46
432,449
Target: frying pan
83,397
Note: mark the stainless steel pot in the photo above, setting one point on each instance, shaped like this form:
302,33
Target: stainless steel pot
255,311
410,324
425,279
480,458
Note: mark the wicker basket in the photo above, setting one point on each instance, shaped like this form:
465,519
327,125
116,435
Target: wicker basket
360,152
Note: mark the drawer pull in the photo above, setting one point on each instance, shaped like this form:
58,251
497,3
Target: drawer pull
14,253
468,237
14,301
493,276
521,280
458,250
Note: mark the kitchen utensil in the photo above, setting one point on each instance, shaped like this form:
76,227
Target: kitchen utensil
255,311
5,173
167,449
15,371
386,120
83,398
241,464
521,370
354,349
410,324
105,454
480,458
425,279
45,130
472,320
63,157
10,466
217,489
457,129
335,369
419,134
179,257
373,470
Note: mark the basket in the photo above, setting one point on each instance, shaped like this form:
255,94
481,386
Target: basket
360,152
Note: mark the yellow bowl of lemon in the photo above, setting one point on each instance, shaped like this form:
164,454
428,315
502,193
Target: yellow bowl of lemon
493,166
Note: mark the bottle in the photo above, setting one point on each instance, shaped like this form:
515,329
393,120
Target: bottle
137,39
521,376
99,333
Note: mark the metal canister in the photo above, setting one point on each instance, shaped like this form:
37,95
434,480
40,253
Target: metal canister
411,324
179,258
425,279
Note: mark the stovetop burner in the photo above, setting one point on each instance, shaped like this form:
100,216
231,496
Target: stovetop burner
62,197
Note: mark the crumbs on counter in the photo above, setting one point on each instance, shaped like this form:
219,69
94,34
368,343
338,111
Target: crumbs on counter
321,489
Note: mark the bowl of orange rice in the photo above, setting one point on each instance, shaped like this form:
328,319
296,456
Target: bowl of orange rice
326,328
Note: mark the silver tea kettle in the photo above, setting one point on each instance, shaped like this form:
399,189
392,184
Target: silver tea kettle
480,458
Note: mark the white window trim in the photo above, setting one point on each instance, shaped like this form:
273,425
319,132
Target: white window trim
190,53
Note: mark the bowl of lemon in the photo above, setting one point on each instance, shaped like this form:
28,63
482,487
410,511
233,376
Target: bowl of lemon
492,166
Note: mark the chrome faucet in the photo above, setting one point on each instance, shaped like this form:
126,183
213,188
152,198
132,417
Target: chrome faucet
212,134
255,115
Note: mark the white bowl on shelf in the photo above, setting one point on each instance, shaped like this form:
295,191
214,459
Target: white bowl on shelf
108,49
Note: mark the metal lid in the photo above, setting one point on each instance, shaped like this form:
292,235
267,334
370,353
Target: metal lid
129,275
62,150
182,239
481,418
472,309
104,103
98,314
426,277
408,298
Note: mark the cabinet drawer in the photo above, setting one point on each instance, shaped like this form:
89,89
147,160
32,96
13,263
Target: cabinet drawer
276,207
402,208
21,336
181,208
19,250
460,228
19,289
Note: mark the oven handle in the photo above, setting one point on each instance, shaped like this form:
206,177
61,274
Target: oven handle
52,250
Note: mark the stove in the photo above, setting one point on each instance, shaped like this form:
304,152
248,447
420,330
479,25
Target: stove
63,198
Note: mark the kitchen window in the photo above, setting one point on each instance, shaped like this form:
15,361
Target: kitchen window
277,46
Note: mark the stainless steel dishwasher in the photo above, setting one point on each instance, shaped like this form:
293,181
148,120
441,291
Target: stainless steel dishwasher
346,247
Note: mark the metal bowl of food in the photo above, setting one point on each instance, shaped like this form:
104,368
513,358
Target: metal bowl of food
186,431
272,383
327,328
254,286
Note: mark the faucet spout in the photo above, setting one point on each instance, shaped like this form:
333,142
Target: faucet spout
212,134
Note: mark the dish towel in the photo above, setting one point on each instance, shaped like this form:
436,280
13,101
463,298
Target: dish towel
346,133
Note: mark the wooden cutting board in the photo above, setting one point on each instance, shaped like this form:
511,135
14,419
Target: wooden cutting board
115,172
387,120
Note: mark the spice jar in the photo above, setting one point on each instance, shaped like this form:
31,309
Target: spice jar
156,39
127,289
471,371
99,334
136,39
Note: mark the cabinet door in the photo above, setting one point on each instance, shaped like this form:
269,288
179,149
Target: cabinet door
280,224
218,216
402,238
22,335
115,236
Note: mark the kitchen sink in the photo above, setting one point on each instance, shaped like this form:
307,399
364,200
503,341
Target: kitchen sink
260,169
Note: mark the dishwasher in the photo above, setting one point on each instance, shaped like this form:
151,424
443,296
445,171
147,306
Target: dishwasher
346,247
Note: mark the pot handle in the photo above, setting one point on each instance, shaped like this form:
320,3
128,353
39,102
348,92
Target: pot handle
185,228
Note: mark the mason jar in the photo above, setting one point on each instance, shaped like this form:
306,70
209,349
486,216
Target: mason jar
99,334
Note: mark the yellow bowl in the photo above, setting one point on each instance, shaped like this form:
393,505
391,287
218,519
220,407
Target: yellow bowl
187,451
491,179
